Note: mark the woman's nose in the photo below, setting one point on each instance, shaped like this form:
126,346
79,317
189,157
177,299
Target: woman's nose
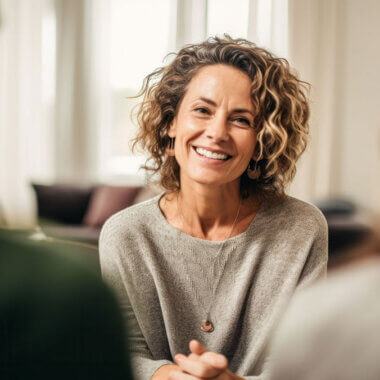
217,129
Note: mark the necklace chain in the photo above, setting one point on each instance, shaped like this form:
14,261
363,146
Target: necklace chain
233,224
207,325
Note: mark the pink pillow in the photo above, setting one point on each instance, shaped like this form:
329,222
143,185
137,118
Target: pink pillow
106,200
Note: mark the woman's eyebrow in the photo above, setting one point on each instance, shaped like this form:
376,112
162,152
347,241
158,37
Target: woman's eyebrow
239,110
236,110
207,100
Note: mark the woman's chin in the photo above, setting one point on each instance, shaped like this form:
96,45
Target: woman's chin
208,179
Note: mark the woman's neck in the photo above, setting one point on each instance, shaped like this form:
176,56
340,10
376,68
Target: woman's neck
211,213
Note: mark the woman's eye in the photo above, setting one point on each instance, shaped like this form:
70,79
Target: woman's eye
243,121
202,110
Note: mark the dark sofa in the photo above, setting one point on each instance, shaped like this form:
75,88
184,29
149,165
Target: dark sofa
77,212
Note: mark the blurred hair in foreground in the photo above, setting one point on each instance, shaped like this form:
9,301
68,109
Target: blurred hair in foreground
332,329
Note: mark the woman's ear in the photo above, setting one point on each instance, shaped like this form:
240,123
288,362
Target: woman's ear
171,139
172,128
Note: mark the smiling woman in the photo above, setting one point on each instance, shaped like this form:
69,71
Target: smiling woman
277,100
205,268
213,128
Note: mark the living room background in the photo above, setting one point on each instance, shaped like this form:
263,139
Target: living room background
67,68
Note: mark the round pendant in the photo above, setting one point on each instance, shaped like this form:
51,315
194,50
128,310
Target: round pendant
207,326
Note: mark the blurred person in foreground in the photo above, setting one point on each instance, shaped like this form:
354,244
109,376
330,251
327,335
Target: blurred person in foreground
57,319
203,269
331,330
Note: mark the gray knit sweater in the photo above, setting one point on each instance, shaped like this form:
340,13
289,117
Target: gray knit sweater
164,279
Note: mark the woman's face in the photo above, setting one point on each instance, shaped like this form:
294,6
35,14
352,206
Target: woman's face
215,138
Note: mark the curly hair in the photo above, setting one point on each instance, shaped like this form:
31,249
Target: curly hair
278,96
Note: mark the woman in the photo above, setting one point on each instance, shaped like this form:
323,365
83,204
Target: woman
208,265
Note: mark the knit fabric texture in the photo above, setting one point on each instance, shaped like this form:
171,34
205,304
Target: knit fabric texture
164,280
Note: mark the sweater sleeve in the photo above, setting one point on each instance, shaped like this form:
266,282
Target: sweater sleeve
315,267
316,263
143,363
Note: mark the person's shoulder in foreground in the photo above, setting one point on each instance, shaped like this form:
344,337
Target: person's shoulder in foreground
331,330
57,318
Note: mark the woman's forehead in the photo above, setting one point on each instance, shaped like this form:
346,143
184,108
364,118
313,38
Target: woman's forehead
218,82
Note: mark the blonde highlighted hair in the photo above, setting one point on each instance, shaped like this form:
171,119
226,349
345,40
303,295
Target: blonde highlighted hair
278,96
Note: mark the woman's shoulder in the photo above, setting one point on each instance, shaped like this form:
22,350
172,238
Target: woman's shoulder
301,207
291,210
131,218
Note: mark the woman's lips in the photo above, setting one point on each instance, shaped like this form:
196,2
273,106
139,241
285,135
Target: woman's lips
218,151
209,160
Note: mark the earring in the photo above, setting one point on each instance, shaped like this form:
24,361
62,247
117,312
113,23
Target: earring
253,171
170,146
171,142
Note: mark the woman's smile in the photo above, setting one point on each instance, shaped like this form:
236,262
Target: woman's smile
215,138
211,155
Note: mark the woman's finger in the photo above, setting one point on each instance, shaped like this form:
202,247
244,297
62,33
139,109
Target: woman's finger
193,356
196,347
196,367
214,359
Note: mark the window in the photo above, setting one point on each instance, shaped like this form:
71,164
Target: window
226,16
139,41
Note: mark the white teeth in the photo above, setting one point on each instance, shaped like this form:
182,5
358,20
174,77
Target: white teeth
207,153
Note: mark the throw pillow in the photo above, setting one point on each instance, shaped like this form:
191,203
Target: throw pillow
106,201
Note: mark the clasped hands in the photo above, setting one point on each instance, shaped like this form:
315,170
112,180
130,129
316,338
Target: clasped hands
201,364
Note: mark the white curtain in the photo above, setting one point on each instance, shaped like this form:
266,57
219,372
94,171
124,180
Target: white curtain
332,44
315,52
26,134
53,98
82,106
189,22
268,25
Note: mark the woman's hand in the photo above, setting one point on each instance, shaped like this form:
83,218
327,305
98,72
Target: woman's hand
202,364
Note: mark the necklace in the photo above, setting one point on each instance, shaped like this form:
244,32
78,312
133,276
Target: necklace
207,325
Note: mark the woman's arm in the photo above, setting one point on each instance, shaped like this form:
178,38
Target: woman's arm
143,363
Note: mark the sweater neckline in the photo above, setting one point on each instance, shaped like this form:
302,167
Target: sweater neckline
184,235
